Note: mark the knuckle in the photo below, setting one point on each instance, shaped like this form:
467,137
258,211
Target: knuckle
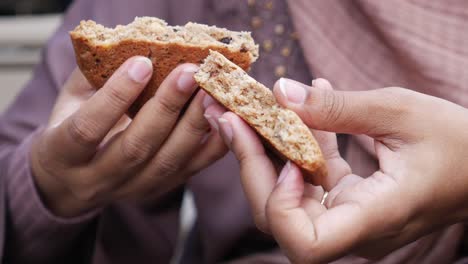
166,165
196,128
84,131
167,107
115,97
135,150
242,156
333,106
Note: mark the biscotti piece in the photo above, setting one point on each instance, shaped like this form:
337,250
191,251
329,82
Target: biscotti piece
256,104
100,51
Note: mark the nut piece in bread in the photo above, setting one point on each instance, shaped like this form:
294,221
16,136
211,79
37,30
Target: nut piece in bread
100,51
281,128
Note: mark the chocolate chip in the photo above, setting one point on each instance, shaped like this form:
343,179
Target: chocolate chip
226,40
175,29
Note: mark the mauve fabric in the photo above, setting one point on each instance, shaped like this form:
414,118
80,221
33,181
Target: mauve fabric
357,45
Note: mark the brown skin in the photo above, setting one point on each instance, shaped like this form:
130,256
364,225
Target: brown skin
421,144
91,154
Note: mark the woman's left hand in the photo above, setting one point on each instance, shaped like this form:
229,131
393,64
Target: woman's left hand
422,185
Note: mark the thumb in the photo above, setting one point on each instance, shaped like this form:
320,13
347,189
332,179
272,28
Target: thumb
374,113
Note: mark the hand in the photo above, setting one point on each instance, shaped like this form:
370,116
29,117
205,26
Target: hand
91,154
422,185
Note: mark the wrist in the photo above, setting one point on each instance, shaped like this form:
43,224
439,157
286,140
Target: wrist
55,196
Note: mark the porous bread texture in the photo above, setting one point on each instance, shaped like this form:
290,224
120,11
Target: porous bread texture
155,29
256,104
100,51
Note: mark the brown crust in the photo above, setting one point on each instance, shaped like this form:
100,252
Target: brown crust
98,63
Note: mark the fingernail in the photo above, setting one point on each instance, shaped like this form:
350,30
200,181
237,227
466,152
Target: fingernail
186,82
284,172
139,69
212,122
227,130
292,91
207,101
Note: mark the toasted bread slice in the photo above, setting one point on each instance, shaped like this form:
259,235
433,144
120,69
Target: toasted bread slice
281,128
100,51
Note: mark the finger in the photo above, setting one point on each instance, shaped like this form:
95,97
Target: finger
382,232
258,175
168,166
132,153
153,124
187,138
313,192
345,183
311,200
315,235
76,139
213,146
121,125
285,207
375,113
337,166
213,111
211,150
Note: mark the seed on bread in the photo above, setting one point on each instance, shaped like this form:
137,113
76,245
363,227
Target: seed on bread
252,101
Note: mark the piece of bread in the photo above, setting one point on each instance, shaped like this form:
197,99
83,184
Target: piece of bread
281,128
100,51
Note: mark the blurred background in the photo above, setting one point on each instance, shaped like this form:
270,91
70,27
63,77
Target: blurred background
25,26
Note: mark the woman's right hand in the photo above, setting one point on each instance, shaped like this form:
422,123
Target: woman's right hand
91,154
420,142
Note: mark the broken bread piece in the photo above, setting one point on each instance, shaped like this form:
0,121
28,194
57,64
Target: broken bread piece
281,128
100,51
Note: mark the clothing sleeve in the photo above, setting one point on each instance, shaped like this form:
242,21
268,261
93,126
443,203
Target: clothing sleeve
31,234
